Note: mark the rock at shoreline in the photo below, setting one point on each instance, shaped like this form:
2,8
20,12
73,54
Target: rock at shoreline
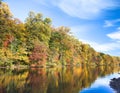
115,84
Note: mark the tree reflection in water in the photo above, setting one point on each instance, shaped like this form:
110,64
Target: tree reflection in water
51,80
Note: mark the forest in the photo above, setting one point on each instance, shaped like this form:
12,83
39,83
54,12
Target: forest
37,43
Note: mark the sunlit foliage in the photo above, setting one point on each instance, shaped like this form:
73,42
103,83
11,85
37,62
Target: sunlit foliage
37,43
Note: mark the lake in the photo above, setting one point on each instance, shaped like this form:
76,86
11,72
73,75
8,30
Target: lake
86,79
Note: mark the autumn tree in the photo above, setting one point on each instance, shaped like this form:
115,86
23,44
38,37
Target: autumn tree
37,28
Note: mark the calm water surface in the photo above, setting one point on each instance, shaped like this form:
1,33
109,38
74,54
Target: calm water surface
59,80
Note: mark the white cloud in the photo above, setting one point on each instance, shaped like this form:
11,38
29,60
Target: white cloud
115,35
82,31
101,82
104,81
102,47
84,9
110,23
118,28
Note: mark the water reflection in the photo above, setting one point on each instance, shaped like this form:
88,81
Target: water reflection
53,80
100,89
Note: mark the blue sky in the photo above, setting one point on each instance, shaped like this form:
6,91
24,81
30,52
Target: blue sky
96,22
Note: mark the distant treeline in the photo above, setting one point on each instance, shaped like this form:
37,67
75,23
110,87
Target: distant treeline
37,43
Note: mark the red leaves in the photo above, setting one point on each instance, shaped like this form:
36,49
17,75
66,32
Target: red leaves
39,54
9,39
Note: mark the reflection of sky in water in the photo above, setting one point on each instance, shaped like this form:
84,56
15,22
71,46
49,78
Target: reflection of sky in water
101,85
100,89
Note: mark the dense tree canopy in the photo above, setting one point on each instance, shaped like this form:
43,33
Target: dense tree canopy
37,43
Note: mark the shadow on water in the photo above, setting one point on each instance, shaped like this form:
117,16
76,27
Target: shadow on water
115,84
